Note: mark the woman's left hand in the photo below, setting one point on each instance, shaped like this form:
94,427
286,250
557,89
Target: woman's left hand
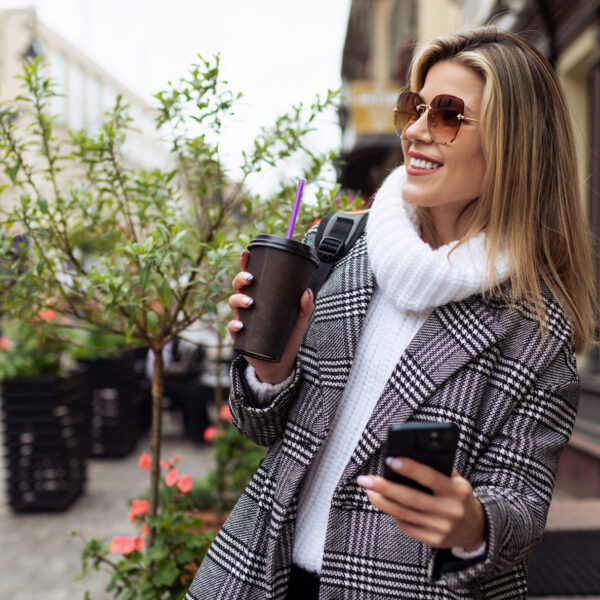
451,517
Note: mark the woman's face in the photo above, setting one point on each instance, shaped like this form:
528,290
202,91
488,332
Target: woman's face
459,166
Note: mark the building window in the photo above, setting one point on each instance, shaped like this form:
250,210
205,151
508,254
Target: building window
93,102
75,98
58,68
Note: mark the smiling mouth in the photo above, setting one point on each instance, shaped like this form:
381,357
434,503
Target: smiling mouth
425,165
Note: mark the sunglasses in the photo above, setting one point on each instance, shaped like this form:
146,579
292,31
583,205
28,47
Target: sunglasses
444,115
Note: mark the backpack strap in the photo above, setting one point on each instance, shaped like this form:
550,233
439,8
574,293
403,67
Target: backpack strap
336,234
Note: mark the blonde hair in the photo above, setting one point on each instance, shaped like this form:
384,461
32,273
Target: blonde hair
531,199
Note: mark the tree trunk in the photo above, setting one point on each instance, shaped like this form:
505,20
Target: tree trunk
158,380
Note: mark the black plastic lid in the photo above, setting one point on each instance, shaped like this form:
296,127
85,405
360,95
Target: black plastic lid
280,243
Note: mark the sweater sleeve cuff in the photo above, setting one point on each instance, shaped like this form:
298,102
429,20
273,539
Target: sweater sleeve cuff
262,391
465,555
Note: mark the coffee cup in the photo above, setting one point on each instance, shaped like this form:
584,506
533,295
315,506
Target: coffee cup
282,270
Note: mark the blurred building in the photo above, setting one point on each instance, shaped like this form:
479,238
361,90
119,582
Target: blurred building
379,45
377,52
85,89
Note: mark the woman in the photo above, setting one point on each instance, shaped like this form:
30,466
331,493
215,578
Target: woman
464,301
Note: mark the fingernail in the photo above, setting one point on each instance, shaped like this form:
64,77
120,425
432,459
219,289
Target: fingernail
394,463
364,481
247,277
237,324
311,295
244,251
247,301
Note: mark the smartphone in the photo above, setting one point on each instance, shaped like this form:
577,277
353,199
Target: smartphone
428,442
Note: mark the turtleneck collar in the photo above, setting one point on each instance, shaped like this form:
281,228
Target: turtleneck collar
410,273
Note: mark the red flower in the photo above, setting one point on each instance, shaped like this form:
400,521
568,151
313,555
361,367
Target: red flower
171,478
138,507
5,343
145,461
209,433
185,484
224,413
126,544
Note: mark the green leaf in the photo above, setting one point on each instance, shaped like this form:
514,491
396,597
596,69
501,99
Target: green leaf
145,276
43,205
12,172
164,293
166,575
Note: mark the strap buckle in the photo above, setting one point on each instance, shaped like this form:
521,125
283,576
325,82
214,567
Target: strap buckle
330,248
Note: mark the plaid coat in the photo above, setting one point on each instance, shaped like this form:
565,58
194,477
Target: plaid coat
480,364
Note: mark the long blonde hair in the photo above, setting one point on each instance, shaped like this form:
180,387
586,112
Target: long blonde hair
531,199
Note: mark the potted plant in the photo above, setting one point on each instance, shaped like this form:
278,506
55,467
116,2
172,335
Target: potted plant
43,413
170,238
117,406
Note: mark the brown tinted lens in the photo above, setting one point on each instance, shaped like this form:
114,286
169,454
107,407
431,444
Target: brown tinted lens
443,118
406,110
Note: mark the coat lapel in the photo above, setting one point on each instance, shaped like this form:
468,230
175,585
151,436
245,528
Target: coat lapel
337,323
452,336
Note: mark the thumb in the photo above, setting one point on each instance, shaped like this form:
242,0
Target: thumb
307,305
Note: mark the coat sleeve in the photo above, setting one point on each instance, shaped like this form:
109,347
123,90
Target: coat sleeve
263,425
514,478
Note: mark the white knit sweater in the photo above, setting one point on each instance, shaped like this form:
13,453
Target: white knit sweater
411,280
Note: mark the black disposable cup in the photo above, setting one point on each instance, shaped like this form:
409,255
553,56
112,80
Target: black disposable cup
282,270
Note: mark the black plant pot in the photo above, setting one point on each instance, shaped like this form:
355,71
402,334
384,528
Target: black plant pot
113,403
44,441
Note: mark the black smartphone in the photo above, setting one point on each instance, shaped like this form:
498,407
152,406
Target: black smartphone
427,442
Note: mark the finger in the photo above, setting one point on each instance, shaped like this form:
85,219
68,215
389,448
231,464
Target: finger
244,258
423,474
240,301
406,514
307,305
241,280
402,494
234,326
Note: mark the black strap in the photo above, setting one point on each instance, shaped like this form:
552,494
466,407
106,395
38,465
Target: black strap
336,234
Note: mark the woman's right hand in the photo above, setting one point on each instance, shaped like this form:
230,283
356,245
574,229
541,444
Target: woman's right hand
269,372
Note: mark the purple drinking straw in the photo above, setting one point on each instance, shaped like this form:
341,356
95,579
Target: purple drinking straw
295,207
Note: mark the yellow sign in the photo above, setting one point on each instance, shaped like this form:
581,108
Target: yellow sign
372,106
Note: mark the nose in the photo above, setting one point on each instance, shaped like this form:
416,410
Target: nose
419,130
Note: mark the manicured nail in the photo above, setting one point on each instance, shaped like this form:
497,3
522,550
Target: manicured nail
311,295
394,463
364,481
237,325
247,301
244,251
247,277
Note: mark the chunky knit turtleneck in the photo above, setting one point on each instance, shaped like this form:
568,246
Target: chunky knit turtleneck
411,280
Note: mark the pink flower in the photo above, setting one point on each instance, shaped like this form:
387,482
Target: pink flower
126,544
176,459
145,461
165,464
224,413
185,484
145,530
171,478
5,343
138,507
209,433
47,314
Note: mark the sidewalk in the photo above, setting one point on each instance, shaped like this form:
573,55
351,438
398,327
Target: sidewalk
38,556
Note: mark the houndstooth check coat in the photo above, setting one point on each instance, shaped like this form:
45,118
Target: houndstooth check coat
481,364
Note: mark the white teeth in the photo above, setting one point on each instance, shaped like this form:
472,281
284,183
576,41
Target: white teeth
419,163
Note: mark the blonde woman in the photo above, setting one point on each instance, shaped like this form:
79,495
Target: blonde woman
464,301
